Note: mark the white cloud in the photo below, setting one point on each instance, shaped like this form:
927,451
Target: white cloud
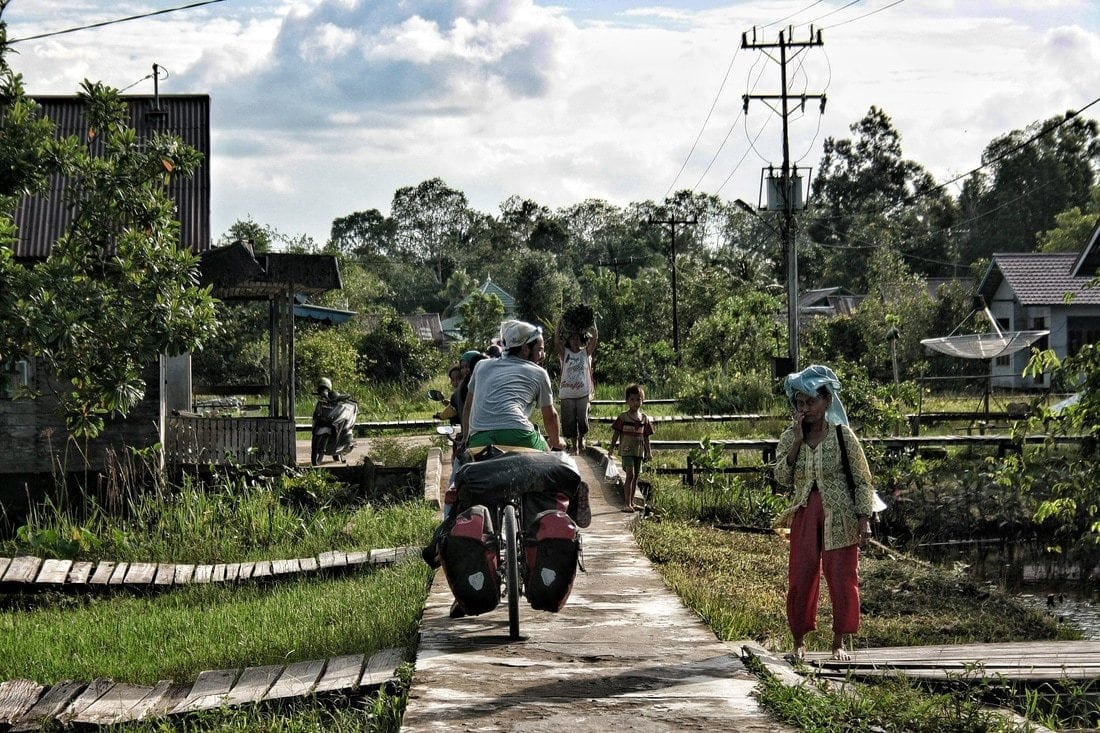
325,107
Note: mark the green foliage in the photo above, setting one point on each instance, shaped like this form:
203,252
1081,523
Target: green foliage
118,290
482,314
714,391
326,352
632,359
1073,227
392,354
736,335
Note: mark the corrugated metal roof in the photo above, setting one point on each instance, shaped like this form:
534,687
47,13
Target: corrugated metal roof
42,219
1039,278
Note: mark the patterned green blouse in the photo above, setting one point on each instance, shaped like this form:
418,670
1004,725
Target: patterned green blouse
822,464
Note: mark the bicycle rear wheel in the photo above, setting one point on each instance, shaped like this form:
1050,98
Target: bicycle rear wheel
511,544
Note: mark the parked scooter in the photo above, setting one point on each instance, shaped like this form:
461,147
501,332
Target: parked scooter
333,428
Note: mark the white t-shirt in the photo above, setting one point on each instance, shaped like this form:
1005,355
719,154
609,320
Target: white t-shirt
576,374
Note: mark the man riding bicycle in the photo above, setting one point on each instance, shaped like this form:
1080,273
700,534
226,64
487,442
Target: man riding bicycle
503,392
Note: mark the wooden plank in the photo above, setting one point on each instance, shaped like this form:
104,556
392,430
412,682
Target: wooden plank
146,705
113,705
382,667
254,684
383,556
118,577
54,572
231,571
245,571
50,705
209,690
308,564
341,673
17,697
332,559
90,694
358,558
262,569
297,680
170,696
81,572
203,574
4,562
166,573
284,567
184,574
102,573
22,569
217,575
141,573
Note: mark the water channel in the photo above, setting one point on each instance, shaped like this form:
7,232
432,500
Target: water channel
1049,587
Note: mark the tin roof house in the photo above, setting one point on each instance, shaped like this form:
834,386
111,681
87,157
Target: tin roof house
1033,291
452,327
31,432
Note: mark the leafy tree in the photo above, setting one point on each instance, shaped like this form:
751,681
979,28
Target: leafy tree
431,223
249,232
368,235
865,189
326,352
1073,227
736,335
117,290
392,354
540,290
481,317
458,285
1030,176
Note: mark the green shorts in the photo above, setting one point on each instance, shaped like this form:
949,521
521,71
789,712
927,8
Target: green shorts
509,436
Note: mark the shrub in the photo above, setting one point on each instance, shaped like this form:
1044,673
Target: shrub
715,392
393,354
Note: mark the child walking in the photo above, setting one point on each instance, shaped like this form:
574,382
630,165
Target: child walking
631,430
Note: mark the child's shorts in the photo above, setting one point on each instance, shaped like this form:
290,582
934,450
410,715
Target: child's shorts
632,463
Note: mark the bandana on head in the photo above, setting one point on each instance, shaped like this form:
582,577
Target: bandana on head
809,380
518,333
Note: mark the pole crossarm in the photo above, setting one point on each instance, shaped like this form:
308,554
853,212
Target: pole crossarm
785,44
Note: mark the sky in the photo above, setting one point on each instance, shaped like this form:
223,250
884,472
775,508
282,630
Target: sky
322,108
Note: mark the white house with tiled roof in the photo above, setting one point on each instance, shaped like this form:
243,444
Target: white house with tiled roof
1028,291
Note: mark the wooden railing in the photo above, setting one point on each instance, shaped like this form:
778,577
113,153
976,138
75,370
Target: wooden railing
229,440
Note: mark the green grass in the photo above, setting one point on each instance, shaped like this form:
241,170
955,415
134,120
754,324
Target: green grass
177,634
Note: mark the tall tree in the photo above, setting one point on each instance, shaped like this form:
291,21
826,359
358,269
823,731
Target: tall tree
866,187
1074,227
431,223
367,235
1029,177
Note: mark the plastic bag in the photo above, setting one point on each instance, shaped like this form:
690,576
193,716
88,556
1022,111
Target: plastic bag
611,472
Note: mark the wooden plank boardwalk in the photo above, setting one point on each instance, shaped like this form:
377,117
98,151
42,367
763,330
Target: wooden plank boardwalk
1035,661
28,706
28,574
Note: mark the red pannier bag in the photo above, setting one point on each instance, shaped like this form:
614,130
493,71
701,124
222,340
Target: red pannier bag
552,551
469,556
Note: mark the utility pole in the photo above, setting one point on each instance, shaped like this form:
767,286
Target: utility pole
787,178
672,223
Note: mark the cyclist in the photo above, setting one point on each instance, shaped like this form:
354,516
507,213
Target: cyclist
503,392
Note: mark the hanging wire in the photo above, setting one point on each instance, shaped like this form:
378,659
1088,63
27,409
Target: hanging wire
112,22
160,75
713,104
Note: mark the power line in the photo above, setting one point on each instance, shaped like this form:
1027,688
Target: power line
861,17
713,104
112,22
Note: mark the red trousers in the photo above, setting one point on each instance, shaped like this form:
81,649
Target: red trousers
807,561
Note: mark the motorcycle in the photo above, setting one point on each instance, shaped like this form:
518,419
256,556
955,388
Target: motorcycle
333,429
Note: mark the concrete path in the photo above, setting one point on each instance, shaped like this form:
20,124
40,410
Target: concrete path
623,655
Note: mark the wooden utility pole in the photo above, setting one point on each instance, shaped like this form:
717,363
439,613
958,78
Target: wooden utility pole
672,223
786,174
